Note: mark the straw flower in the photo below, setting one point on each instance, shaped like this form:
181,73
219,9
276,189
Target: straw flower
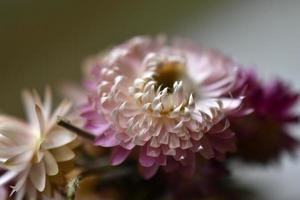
264,135
168,101
30,152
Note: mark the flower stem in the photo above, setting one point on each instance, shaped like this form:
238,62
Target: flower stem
67,125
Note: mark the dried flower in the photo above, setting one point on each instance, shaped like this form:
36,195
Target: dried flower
30,152
204,184
168,101
263,135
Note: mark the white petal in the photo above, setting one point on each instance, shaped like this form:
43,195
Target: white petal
31,192
16,131
7,152
41,118
21,193
19,161
38,176
7,176
230,104
174,141
29,104
50,164
37,98
21,181
58,138
63,154
61,111
47,102
39,156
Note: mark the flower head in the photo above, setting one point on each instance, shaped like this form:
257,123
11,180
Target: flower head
263,135
169,101
204,184
30,152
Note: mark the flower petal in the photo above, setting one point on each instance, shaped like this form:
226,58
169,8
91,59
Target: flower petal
29,104
21,193
108,139
31,192
47,102
41,118
63,154
148,172
118,155
7,152
61,111
58,138
7,176
50,164
16,131
22,178
38,176
19,160
144,159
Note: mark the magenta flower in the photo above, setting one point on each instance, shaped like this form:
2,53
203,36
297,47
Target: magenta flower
204,183
263,134
167,101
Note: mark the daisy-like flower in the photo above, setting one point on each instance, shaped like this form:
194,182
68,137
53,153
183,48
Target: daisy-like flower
168,101
30,152
263,135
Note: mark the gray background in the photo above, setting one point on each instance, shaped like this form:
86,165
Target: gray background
45,42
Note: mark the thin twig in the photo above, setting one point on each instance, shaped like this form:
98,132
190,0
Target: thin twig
67,125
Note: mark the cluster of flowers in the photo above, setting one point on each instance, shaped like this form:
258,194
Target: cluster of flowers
173,108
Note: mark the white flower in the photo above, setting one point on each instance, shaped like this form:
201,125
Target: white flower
30,152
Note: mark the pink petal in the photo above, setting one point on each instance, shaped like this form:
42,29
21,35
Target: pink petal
127,145
148,172
97,130
107,139
118,155
144,159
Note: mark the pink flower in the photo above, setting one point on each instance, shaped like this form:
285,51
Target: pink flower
167,101
205,182
263,135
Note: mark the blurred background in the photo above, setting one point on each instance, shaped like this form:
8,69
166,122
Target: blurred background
45,42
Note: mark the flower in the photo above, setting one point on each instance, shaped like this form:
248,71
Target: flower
30,152
204,183
263,135
168,101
